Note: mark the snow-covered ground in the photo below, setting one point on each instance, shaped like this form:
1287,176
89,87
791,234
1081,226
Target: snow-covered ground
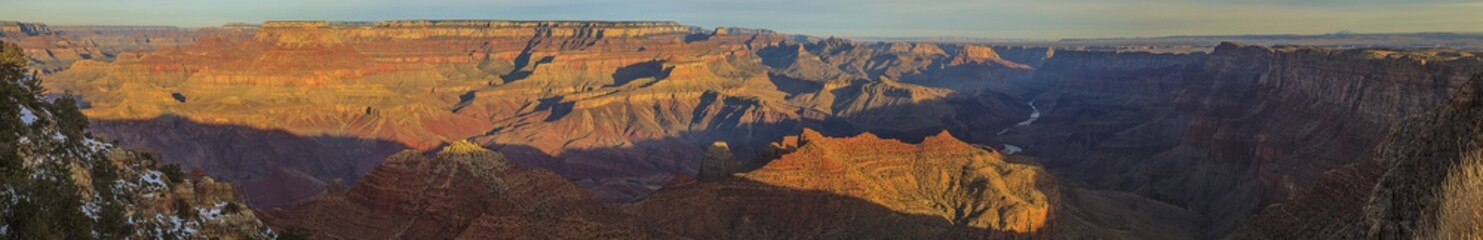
27,116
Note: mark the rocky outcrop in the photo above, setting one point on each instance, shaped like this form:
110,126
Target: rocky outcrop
940,177
11,28
1428,159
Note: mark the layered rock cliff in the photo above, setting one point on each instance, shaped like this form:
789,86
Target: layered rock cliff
602,102
1227,133
1420,184
55,48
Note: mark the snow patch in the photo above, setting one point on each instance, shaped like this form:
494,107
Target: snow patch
92,209
27,116
212,213
152,178
95,145
174,226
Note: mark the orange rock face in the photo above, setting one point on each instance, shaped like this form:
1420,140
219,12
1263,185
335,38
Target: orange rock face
847,187
941,177
602,102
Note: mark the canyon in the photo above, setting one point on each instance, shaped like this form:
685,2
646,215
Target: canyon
592,129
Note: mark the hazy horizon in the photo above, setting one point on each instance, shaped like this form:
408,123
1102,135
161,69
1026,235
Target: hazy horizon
1055,19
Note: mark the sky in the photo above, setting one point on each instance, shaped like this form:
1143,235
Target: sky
1027,19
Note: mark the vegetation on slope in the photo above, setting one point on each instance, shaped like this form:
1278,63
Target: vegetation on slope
1462,201
58,182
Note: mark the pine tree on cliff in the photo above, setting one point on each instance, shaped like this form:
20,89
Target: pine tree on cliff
33,202
58,182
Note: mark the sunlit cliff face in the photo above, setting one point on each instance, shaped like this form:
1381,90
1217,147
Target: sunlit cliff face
942,177
556,90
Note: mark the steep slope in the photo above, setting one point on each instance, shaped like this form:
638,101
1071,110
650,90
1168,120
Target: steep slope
1419,185
61,183
821,188
464,192
941,177
1430,160
1227,133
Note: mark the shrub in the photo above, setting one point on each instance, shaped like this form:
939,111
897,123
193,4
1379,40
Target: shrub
173,172
183,210
233,208
1461,215
294,233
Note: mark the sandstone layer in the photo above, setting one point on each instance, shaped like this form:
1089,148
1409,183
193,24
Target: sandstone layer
55,48
602,102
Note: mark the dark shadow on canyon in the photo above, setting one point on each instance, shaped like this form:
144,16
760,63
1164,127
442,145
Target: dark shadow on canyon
724,209
745,207
650,69
275,168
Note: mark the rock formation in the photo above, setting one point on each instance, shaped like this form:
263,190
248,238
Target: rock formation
55,48
602,102
1415,186
826,187
464,191
1227,133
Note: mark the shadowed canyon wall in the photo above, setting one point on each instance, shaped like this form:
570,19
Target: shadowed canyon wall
1227,133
